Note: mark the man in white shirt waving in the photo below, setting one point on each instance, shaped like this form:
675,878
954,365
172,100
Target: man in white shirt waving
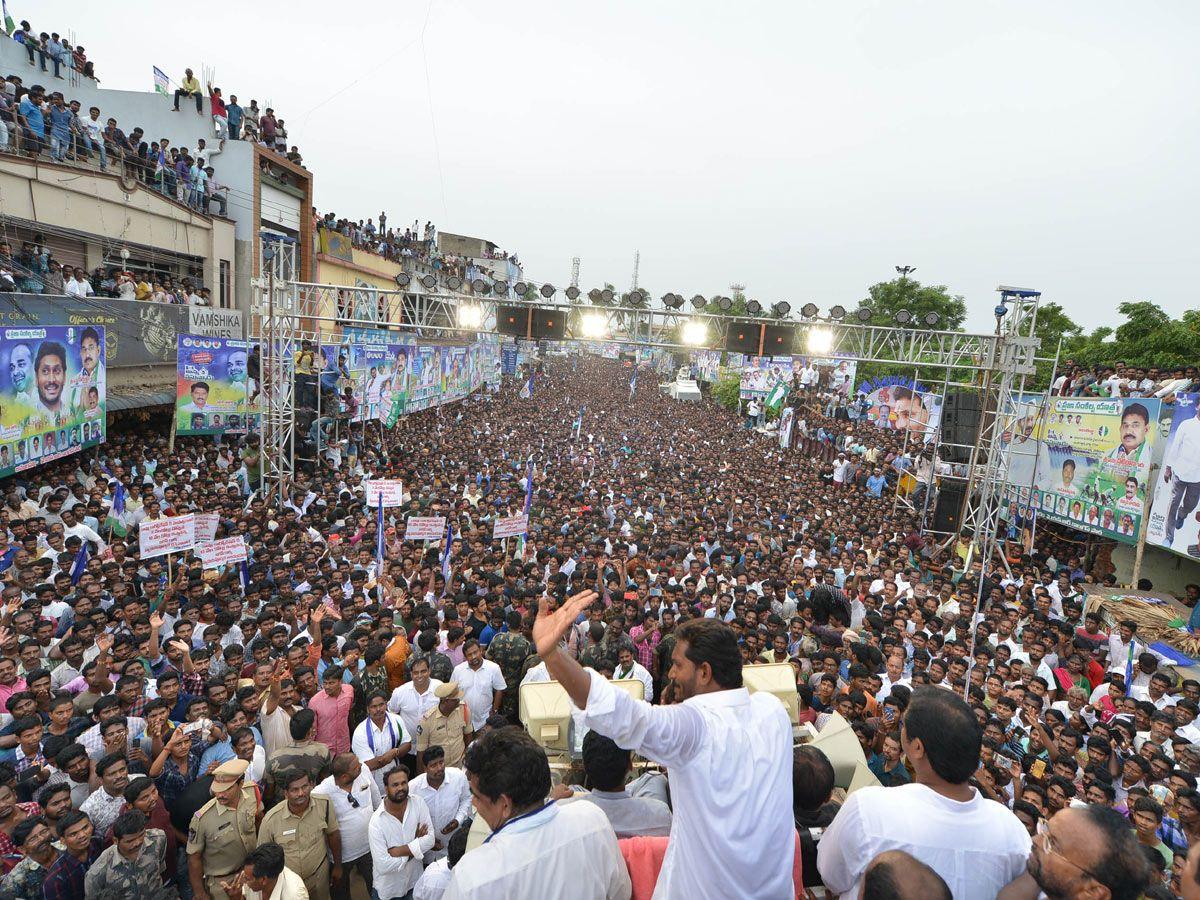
976,845
725,813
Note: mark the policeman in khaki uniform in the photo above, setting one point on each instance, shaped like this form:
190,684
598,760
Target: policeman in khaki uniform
446,725
223,831
306,827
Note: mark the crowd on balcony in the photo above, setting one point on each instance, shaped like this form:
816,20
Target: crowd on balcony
1120,380
54,53
35,270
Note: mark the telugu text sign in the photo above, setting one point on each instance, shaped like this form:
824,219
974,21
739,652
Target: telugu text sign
510,526
222,552
391,490
425,528
206,527
159,537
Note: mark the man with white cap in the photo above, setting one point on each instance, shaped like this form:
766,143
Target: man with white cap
446,726
223,831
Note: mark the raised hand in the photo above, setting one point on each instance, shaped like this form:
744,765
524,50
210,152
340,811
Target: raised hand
549,627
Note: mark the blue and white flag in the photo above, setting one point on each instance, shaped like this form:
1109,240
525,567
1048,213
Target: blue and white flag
528,487
578,423
379,538
446,551
80,564
633,384
527,391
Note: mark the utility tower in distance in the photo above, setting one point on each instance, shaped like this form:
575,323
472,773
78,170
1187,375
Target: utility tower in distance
637,260
574,271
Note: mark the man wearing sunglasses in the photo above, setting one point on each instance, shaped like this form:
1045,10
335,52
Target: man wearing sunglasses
354,795
1083,851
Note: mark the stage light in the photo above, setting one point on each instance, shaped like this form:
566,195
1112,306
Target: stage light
863,313
594,296
547,291
635,298
403,279
606,296
479,286
695,332
454,282
781,309
808,310
672,301
753,307
572,293
819,341
520,288
725,304
470,316
430,281
837,312
931,318
593,325
500,288
699,302
903,317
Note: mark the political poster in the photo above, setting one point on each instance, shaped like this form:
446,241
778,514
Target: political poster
760,374
786,421
833,373
897,403
52,394
706,364
455,374
1173,524
424,528
508,359
222,552
390,489
424,378
510,526
210,386
206,527
1084,462
158,537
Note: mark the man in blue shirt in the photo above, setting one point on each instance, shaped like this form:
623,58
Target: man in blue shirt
235,115
876,483
33,123
60,128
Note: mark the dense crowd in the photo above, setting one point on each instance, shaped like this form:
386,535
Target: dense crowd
343,703
52,51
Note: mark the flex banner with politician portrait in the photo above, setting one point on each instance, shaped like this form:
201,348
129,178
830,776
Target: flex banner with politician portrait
1173,524
1085,462
897,403
211,386
52,393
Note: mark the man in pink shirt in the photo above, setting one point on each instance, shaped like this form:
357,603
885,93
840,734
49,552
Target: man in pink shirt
9,682
332,706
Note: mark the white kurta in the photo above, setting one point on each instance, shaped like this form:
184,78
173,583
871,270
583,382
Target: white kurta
411,706
394,876
383,739
449,803
478,685
730,758
977,847
560,853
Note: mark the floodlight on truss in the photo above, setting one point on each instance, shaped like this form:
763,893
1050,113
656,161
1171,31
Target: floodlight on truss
470,315
819,341
572,293
403,279
754,307
694,332
454,283
594,296
606,296
782,309
479,286
593,325
724,304
672,301
521,289
808,310
636,298
837,313
699,302
547,291
931,318
429,281
500,288
863,314
903,317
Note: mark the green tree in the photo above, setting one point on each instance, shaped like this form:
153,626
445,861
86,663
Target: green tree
887,298
1053,325
727,390
1148,337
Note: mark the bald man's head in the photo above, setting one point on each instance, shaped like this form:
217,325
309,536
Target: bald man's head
894,875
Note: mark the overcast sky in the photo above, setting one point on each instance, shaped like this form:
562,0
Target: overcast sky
804,149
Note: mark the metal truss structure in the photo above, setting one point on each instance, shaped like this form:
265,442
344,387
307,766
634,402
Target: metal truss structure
994,367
